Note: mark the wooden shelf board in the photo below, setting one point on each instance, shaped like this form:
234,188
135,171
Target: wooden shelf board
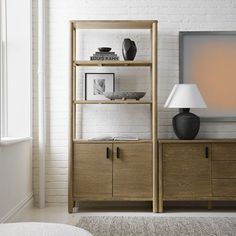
112,102
115,24
112,141
227,140
92,199
113,63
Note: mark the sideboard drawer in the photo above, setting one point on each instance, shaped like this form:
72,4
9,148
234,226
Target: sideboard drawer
224,169
223,151
224,187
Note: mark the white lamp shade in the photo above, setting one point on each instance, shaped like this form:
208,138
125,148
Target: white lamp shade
185,96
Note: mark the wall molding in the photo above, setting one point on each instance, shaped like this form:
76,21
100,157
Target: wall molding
22,205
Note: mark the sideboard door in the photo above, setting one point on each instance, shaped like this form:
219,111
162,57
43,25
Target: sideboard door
186,171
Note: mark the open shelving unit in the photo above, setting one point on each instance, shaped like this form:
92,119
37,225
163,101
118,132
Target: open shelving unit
75,183
113,63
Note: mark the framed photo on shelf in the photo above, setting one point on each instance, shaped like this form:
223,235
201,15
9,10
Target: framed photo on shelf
96,84
207,58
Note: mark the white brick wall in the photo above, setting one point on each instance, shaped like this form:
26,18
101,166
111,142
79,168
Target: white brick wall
173,16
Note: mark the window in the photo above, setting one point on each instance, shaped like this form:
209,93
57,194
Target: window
15,68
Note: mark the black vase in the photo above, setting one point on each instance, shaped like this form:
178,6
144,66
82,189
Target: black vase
186,124
129,50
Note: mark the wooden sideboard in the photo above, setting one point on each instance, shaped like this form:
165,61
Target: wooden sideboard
197,170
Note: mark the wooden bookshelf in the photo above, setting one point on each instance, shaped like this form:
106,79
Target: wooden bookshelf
124,170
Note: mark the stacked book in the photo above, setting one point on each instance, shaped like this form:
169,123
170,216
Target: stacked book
104,56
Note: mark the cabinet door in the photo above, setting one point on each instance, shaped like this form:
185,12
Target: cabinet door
186,171
93,171
224,169
132,170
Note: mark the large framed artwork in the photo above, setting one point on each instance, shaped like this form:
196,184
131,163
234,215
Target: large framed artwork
208,59
96,84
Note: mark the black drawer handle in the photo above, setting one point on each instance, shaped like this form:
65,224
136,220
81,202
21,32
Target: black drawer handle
117,152
107,153
206,152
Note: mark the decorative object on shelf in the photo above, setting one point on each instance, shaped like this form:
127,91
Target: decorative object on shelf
185,96
129,49
124,95
104,54
96,84
104,49
207,58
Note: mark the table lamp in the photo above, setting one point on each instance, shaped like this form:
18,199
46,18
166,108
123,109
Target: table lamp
185,96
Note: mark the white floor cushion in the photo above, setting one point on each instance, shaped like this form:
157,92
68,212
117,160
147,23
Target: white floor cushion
41,229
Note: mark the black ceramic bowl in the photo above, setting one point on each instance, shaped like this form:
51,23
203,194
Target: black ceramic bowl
104,49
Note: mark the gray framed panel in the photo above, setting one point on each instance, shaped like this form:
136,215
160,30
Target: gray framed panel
190,40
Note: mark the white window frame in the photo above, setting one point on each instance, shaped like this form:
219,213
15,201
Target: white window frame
3,69
4,139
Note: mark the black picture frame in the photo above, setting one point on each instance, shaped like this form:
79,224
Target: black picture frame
87,78
182,37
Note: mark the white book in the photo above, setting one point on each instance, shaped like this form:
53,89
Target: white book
105,138
124,138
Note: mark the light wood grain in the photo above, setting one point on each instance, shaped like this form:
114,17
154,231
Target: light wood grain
186,171
132,171
113,63
160,179
222,166
112,141
154,117
224,151
107,198
92,170
128,101
224,187
224,169
230,141
114,24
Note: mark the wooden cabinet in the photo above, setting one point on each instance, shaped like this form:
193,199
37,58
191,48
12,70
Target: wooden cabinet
132,171
109,171
92,171
197,170
186,171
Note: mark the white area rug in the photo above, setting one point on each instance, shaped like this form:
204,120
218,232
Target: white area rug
41,229
158,226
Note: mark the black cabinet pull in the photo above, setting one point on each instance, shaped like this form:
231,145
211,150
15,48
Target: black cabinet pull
107,152
206,152
117,152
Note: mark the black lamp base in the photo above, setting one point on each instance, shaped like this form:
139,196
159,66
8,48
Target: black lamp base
186,124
